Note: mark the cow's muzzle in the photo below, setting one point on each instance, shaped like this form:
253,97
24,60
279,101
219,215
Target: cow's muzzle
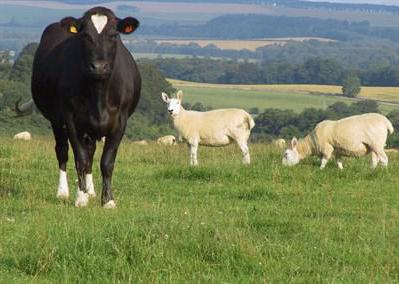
99,68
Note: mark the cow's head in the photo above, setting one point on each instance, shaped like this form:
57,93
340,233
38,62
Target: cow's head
98,32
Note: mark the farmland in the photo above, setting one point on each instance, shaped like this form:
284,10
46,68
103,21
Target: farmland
251,45
219,222
295,97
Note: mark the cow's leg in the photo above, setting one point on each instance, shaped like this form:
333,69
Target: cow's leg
81,162
91,149
61,151
107,167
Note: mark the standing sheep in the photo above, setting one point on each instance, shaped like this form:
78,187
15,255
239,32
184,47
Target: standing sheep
167,140
211,128
356,136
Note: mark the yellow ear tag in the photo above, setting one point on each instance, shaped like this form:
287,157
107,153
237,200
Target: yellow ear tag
73,29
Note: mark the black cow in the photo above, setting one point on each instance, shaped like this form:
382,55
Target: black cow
86,83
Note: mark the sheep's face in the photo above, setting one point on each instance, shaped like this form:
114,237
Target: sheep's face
174,107
291,155
174,104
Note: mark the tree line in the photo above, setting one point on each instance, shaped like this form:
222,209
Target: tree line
312,71
254,26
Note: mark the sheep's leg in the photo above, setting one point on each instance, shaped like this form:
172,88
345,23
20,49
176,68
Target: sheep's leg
382,157
246,159
374,160
339,164
327,153
323,163
193,154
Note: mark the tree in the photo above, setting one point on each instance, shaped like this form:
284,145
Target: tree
351,86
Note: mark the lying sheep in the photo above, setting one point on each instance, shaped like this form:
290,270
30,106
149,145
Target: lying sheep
211,128
356,135
279,143
167,140
140,142
23,136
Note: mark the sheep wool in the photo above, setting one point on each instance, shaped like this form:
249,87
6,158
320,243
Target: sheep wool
211,128
353,136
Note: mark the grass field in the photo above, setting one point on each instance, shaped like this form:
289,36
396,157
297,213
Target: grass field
220,222
295,97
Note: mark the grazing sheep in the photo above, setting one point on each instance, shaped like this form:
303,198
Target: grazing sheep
211,128
356,135
23,136
167,140
279,143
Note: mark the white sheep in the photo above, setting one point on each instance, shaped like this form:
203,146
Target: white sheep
167,140
211,128
355,136
25,135
140,142
279,143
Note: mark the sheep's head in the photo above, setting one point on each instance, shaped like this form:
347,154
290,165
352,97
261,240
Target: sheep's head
174,104
291,155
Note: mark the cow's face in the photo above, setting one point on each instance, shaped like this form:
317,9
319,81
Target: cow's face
98,32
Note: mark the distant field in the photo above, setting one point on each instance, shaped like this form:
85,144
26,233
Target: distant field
295,97
241,44
202,12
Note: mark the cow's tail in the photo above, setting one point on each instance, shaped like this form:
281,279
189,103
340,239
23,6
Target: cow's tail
25,108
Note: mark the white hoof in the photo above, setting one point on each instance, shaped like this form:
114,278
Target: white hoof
82,199
90,185
62,194
110,205
63,190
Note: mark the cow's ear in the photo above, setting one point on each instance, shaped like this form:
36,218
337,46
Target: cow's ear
70,24
127,25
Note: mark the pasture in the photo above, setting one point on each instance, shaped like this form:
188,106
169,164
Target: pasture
295,97
220,222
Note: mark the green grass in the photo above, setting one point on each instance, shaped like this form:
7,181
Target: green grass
220,222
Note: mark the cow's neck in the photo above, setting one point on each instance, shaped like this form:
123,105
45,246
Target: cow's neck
99,94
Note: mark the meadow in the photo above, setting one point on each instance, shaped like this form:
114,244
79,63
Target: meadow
220,222
295,97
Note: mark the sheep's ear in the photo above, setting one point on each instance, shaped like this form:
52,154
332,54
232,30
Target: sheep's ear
294,143
180,95
165,97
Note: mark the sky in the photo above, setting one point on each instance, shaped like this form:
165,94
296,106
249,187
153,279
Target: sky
383,2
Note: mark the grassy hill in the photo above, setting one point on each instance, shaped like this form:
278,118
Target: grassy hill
295,97
220,222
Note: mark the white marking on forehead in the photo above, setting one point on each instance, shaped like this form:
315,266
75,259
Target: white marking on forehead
99,22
